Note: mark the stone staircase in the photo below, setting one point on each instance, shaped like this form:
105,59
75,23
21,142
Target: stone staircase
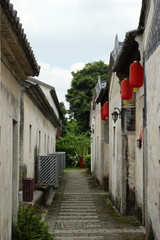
78,217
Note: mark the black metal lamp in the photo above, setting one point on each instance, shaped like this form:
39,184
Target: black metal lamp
92,131
115,114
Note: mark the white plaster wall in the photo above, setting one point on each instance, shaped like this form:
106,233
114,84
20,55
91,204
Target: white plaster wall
98,122
42,135
10,96
131,161
153,117
139,152
104,149
99,147
115,151
148,25
46,91
106,158
0,146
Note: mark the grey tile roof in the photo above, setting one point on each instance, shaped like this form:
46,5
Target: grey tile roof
19,31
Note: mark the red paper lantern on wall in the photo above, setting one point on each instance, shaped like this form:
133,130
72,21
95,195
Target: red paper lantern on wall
106,110
102,116
126,90
136,75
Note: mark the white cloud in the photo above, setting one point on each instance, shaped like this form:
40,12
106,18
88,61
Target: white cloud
65,34
77,66
59,78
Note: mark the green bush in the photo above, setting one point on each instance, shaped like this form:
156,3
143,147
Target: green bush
29,225
75,145
87,161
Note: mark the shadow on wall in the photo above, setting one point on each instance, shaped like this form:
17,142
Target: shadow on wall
22,175
150,232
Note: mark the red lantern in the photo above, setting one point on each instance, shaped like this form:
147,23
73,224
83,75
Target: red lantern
126,90
136,75
102,116
106,110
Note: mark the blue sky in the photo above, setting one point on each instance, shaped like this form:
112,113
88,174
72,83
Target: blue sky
66,34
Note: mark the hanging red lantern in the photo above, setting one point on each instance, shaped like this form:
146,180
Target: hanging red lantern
106,110
102,116
126,90
136,76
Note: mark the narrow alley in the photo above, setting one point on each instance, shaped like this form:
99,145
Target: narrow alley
81,210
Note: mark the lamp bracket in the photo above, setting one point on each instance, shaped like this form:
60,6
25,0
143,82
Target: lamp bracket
116,108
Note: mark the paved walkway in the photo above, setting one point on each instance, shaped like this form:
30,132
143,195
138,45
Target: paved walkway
82,211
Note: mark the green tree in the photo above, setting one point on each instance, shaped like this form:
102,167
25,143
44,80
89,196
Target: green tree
64,119
74,143
81,92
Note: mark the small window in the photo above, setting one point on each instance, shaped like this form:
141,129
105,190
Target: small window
48,145
45,143
114,141
30,138
39,142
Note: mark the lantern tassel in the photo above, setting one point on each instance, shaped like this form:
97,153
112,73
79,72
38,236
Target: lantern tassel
135,89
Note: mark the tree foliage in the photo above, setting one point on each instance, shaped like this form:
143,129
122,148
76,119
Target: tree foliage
74,143
81,92
75,140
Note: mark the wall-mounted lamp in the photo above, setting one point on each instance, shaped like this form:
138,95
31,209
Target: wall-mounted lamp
92,131
139,143
115,114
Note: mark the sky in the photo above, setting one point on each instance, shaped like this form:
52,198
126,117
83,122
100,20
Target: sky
67,34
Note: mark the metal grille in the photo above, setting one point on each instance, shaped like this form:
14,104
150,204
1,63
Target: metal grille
47,170
61,158
50,168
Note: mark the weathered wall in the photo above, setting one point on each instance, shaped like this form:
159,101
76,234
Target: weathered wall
115,141
39,135
97,136
99,147
46,91
10,95
139,164
0,143
151,49
153,126
105,131
104,154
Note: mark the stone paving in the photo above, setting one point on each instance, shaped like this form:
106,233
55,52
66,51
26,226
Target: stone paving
82,211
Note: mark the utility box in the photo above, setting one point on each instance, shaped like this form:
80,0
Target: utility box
28,189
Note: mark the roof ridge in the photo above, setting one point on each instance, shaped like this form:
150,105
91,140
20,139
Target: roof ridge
22,37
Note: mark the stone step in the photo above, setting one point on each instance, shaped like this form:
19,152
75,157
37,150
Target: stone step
77,199
70,226
79,221
77,202
77,205
78,208
78,194
98,231
69,209
81,238
77,214
101,237
77,217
